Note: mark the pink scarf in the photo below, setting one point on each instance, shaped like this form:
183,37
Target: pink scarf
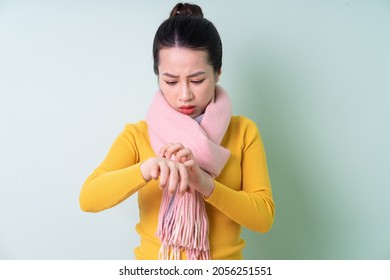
183,222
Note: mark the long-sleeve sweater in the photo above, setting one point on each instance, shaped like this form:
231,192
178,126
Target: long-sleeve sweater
242,195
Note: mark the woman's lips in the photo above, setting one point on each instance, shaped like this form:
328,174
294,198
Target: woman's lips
187,110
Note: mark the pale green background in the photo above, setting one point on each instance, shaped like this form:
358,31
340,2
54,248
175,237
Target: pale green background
314,75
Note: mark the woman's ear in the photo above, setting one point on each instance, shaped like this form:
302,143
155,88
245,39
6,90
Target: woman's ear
217,75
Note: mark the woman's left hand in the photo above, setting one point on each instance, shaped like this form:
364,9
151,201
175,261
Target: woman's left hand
199,180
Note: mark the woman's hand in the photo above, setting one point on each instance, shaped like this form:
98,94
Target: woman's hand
197,178
172,174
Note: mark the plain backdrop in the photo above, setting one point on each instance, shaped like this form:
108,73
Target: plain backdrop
313,75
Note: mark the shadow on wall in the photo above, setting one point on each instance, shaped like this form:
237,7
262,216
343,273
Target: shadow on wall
269,100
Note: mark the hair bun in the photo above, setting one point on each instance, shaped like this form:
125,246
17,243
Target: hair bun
186,9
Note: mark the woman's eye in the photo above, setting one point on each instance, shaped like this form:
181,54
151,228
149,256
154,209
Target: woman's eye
170,83
197,82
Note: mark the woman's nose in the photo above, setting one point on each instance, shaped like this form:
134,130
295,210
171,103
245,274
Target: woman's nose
186,93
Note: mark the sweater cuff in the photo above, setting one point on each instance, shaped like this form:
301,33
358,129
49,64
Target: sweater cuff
139,178
218,190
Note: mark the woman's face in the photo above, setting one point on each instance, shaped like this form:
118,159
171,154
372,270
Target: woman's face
186,79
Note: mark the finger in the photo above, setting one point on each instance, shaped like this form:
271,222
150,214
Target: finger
189,163
154,171
164,174
163,149
181,159
183,155
173,179
172,149
184,179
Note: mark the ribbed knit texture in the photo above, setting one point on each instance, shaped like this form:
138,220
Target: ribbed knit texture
242,194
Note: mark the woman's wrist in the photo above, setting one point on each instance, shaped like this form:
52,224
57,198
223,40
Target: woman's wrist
210,187
145,171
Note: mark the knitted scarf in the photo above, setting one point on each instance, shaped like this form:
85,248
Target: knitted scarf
182,221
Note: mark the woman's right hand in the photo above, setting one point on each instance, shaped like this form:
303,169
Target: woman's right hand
172,174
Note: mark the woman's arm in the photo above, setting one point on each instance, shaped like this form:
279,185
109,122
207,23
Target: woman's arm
252,206
122,172
116,178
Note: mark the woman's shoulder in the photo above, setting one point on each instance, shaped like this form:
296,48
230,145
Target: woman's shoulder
137,130
242,132
139,126
242,122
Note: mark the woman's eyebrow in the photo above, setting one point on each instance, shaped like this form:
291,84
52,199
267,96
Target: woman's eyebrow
189,76
196,74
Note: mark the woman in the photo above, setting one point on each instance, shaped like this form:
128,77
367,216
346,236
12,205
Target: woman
200,172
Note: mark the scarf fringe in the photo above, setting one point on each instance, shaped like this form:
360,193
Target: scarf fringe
183,225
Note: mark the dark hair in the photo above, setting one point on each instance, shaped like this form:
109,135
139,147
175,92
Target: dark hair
187,28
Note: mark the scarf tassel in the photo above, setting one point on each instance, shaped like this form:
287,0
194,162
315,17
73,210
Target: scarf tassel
183,225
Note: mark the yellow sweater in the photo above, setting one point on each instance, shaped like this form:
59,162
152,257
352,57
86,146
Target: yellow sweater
242,194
